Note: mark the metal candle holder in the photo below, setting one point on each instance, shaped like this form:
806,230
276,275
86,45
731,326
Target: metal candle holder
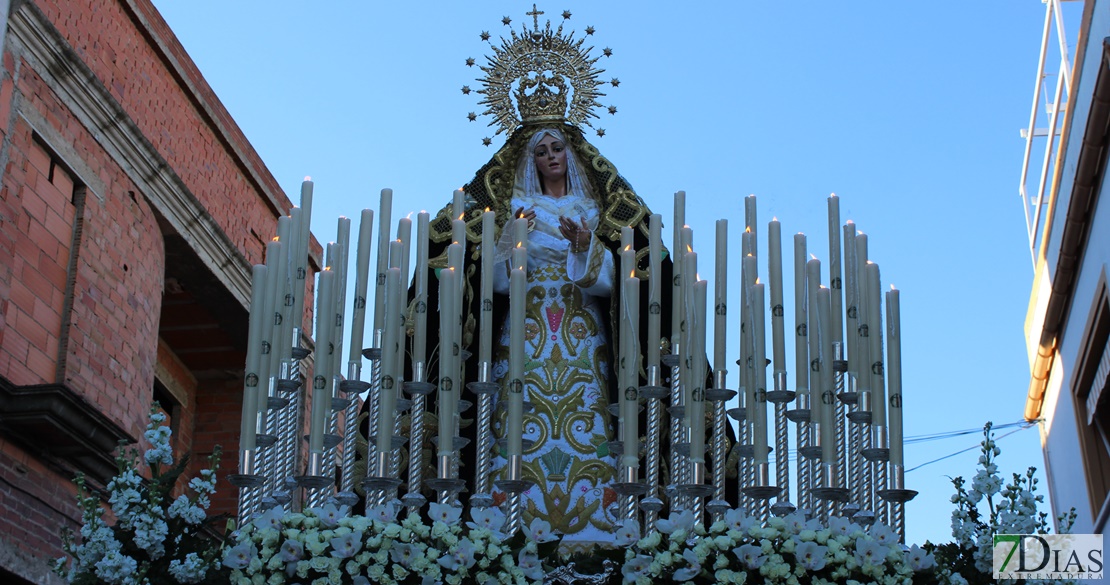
485,389
653,392
898,495
419,389
515,485
780,396
719,395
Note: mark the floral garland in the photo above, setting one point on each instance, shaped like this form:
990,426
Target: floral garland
159,539
156,538
789,550
325,546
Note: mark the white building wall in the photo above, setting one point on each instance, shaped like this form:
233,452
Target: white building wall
1065,471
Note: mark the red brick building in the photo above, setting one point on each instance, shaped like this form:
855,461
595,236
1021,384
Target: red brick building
131,210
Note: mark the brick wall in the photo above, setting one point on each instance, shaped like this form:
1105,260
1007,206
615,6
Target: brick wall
81,295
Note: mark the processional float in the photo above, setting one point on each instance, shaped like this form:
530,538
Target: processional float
840,422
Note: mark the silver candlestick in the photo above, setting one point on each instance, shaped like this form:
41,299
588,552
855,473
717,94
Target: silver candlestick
780,396
484,388
419,389
719,395
653,392
898,495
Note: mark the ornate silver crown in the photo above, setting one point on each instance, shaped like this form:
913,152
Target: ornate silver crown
540,76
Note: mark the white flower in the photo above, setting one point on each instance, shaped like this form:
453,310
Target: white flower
627,533
870,553
239,556
116,567
636,567
329,515
811,555
751,555
530,563
191,570
539,531
683,520
492,519
345,547
385,513
884,534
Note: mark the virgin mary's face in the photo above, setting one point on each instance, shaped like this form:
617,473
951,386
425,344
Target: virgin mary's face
551,158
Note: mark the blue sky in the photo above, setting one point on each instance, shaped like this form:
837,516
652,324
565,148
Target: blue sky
909,111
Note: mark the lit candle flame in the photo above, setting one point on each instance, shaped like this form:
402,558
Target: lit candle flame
487,209
748,230
689,249
409,216
812,257
892,287
632,274
774,219
307,178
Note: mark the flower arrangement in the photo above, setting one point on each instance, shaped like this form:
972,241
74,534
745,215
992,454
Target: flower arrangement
788,550
1010,509
155,538
326,546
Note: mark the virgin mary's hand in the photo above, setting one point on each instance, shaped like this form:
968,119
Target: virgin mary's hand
576,232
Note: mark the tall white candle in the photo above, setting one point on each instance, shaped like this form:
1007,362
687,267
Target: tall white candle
778,333
863,343
458,231
835,280
875,345
851,297
284,293
696,404
813,284
385,222
321,396
458,204
404,237
628,262
299,264
485,344
750,273
265,365
515,428
630,404
720,296
655,283
343,251
828,393
251,376
448,389
678,310
420,320
759,440
362,280
291,317
391,377
894,373
692,359
801,349
750,222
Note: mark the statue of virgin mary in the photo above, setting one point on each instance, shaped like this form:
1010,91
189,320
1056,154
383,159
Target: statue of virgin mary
541,89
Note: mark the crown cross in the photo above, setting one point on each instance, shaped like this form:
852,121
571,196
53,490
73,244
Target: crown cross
535,14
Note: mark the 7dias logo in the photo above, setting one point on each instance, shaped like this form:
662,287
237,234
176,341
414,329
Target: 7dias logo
1048,556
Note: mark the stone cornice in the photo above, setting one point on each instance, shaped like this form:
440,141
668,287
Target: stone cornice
34,38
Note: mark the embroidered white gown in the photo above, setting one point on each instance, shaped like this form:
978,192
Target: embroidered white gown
566,376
